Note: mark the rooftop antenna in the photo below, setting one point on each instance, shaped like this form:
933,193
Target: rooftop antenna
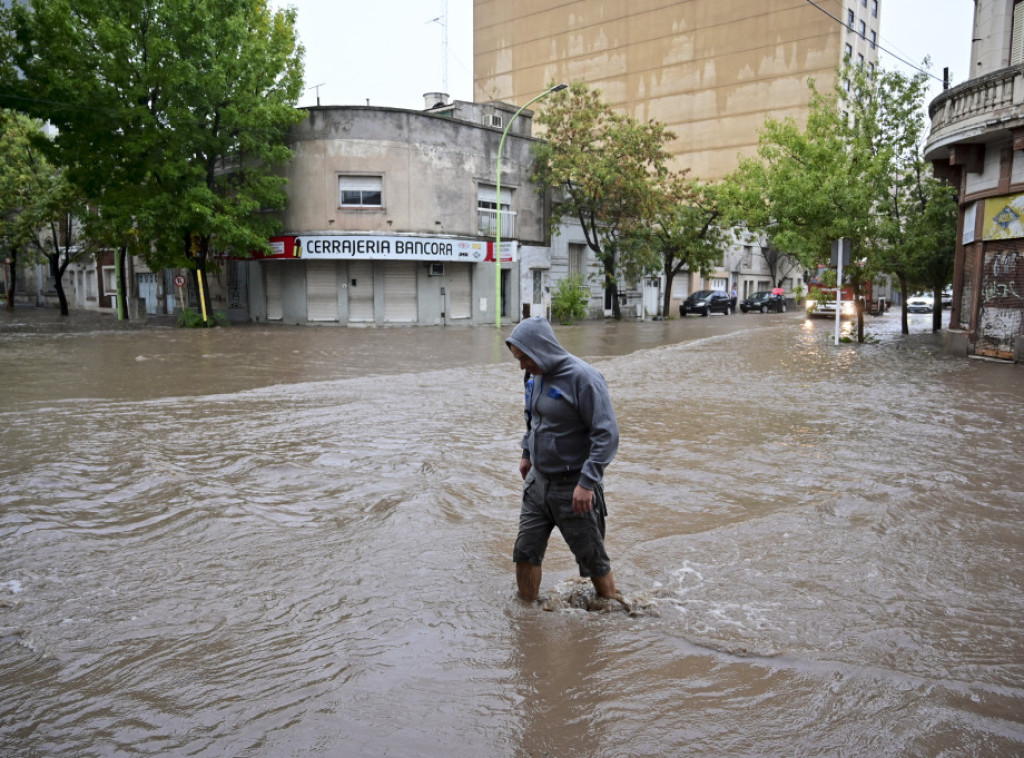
443,21
317,88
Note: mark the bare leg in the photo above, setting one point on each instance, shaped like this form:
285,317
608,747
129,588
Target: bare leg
605,585
528,579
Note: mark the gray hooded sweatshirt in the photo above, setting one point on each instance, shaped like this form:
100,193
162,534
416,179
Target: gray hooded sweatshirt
570,421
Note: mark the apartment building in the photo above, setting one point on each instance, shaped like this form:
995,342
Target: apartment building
712,70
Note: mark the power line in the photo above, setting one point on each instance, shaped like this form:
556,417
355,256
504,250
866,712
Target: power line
884,50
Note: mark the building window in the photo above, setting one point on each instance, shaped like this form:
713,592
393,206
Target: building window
849,51
1017,38
576,258
864,3
874,8
860,60
849,19
863,30
874,37
109,279
487,212
360,191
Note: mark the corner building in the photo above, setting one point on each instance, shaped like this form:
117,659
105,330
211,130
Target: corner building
976,143
711,70
391,217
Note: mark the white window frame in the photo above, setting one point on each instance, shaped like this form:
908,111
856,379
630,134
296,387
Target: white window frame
363,191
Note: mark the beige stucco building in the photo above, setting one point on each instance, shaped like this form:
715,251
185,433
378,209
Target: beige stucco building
391,217
712,70
977,143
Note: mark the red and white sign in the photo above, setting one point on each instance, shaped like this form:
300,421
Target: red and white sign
389,248
179,281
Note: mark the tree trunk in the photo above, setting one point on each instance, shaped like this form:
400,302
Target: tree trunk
62,298
122,289
667,299
612,286
10,276
904,322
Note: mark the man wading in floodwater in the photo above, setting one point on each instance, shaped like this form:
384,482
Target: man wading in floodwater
571,436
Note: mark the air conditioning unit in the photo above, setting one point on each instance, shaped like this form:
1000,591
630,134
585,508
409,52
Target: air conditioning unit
494,121
436,269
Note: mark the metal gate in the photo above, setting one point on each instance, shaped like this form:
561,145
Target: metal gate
1001,301
400,293
238,290
272,280
360,292
460,303
147,291
321,291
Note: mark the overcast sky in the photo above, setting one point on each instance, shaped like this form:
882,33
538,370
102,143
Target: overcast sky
390,52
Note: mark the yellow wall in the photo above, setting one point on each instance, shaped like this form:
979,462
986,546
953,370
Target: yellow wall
711,70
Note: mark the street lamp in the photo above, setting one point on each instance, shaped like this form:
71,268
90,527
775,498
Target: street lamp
497,235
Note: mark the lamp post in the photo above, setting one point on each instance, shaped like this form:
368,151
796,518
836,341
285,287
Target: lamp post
497,234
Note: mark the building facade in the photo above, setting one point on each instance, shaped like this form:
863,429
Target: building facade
711,70
976,143
392,216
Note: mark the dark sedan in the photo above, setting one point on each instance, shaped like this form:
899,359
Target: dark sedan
762,302
706,302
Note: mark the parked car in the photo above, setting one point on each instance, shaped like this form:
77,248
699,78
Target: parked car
706,302
947,297
762,302
920,304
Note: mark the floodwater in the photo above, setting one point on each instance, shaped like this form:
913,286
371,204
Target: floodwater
296,541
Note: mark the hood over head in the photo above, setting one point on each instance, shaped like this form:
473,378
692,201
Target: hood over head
535,337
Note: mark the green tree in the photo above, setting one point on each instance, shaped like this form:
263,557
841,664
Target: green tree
916,212
171,114
603,167
34,202
20,178
853,172
687,230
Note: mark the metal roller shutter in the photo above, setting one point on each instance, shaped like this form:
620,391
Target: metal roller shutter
321,291
400,293
272,279
360,292
460,287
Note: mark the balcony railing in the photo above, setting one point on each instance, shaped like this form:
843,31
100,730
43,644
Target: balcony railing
977,104
487,223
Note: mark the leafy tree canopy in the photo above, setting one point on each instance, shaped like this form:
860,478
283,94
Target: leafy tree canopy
604,167
171,114
855,172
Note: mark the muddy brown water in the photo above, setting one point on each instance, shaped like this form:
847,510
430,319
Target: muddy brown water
296,541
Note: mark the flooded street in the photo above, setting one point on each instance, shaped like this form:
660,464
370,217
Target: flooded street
296,541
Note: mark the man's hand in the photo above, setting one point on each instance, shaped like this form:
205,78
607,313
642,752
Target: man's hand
524,467
582,500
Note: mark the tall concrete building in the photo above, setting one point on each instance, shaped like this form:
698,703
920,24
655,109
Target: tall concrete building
977,143
712,70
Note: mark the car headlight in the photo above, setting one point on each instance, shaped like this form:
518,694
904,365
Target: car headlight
812,304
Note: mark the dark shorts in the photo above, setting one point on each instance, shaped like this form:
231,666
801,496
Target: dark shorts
547,503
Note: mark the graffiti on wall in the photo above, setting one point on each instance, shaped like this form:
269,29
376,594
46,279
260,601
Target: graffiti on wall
1001,316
